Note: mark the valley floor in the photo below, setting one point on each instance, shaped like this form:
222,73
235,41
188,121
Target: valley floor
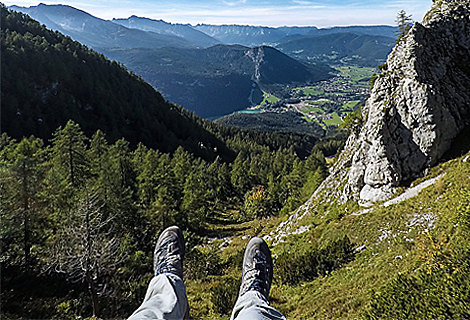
325,104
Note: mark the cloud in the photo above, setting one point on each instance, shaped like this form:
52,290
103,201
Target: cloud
234,3
303,3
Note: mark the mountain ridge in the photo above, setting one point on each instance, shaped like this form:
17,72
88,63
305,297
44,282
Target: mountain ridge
218,80
360,49
259,35
95,32
254,35
184,31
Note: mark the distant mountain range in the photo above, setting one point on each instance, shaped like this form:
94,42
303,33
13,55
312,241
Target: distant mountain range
360,49
98,33
256,35
198,66
186,32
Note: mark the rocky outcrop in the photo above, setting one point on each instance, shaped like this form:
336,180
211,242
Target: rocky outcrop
257,56
418,105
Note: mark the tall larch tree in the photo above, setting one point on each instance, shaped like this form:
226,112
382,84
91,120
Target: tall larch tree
69,154
22,173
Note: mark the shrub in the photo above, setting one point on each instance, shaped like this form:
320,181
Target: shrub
224,295
257,203
352,120
372,80
294,267
199,264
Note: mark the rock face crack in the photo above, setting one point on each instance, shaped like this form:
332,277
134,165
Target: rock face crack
418,105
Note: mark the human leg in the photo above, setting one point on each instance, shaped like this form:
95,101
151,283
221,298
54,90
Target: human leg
254,306
166,295
252,302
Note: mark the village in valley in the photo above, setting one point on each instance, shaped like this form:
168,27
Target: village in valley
327,102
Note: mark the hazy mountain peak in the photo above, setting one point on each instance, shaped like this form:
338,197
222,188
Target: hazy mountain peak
134,17
98,33
199,38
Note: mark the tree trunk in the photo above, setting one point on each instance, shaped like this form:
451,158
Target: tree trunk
88,267
93,294
26,242
72,173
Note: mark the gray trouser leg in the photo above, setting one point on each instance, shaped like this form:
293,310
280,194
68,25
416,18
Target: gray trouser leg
253,306
165,299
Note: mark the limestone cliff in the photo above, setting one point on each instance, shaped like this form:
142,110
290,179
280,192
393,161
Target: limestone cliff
418,105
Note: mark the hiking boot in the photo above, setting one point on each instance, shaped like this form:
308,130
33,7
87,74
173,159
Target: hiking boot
169,252
257,268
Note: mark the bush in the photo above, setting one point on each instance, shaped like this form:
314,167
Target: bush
224,295
257,203
294,267
352,120
200,264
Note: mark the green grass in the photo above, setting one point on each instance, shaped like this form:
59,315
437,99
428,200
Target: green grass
346,293
357,76
268,98
311,91
307,119
309,109
318,103
350,105
335,121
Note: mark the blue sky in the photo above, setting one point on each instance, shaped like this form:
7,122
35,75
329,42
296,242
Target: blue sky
320,13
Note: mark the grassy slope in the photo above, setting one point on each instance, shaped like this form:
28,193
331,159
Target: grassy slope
392,246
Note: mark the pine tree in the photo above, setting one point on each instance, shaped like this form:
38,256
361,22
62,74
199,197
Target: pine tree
218,182
123,194
181,165
69,154
22,174
147,179
138,158
195,200
4,141
164,212
240,178
404,23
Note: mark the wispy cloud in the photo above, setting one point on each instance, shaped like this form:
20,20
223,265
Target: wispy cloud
303,3
234,3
